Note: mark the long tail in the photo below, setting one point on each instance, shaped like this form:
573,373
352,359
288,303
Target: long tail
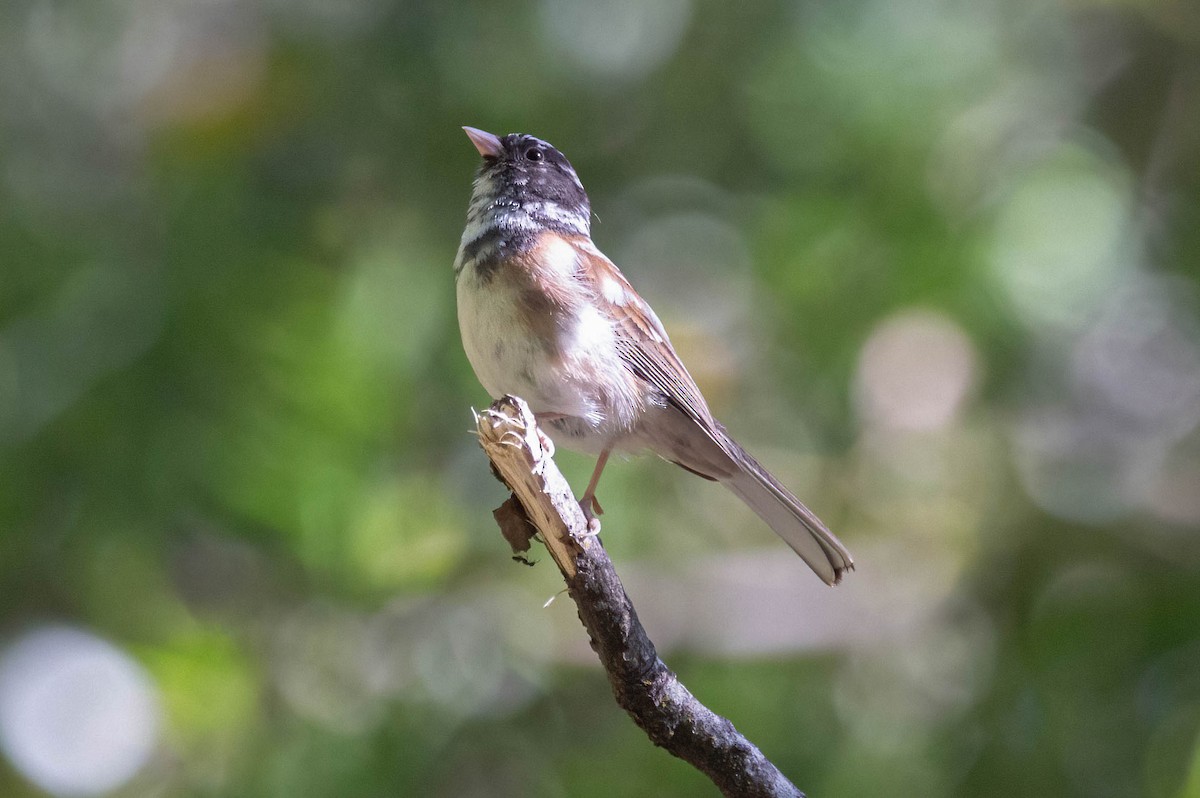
787,515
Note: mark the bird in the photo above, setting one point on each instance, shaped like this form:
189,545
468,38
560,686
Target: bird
546,316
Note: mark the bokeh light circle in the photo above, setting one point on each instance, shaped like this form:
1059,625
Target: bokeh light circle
915,371
78,716
621,39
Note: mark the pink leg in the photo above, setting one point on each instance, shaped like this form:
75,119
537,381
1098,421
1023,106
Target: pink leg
591,507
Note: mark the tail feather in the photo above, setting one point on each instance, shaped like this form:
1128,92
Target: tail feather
789,518
702,446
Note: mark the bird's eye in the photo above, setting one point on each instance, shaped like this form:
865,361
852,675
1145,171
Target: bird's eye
534,154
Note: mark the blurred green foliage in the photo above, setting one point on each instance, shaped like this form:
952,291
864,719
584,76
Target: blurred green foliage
935,260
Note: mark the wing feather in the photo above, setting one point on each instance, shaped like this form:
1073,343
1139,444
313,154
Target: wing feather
643,346
642,341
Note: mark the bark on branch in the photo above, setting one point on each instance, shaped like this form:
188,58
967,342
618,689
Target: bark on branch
543,504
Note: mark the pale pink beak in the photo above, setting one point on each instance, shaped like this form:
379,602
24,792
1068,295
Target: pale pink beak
489,145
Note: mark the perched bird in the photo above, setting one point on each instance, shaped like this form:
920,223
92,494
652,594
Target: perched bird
547,317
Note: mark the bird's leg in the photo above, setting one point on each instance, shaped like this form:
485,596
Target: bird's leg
590,506
589,503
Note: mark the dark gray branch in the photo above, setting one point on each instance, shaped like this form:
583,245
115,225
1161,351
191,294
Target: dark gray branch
644,687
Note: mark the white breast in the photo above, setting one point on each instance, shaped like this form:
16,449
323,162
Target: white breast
495,339
580,375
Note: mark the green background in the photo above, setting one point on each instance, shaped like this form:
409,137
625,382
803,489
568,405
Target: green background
934,261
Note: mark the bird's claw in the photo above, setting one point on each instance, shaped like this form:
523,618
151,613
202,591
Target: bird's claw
591,508
547,443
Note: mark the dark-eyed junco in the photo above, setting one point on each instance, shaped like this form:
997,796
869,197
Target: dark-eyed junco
546,316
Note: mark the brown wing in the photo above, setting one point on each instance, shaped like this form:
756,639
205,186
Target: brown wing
641,340
645,349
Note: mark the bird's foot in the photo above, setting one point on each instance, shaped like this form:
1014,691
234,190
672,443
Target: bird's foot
547,443
591,508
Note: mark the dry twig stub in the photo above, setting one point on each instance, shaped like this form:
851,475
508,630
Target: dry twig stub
643,686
